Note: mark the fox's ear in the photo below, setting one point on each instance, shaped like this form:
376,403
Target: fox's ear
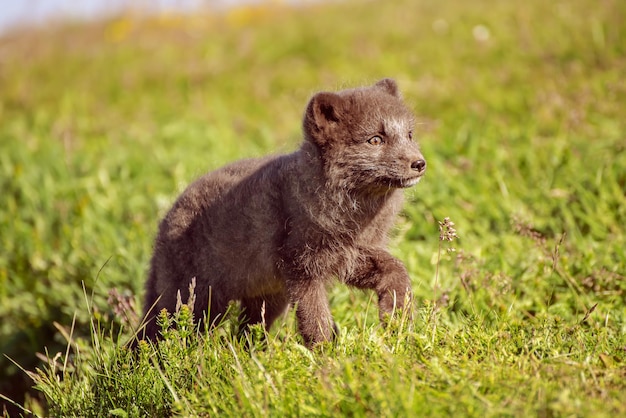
390,86
322,114
324,108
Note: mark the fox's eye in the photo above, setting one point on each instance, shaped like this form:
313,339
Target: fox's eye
375,140
410,134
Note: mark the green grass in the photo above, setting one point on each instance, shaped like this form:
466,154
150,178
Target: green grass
102,125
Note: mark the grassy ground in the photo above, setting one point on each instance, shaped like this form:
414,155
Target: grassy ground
522,109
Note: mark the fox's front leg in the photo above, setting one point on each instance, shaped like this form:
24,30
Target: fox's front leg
315,322
380,271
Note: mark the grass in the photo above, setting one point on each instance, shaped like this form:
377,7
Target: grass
522,124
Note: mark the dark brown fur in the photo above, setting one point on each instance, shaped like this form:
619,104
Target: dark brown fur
274,231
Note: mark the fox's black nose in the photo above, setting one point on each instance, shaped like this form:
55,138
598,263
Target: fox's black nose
419,165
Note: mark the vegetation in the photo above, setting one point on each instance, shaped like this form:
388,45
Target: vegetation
522,124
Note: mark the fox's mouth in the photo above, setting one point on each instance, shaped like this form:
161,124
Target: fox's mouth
411,181
401,182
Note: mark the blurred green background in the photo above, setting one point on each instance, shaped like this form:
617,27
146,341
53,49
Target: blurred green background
522,110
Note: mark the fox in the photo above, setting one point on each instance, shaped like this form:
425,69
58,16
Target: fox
277,231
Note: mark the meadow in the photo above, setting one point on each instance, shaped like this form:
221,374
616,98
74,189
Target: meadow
522,119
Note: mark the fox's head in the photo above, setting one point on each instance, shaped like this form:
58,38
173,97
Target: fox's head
365,137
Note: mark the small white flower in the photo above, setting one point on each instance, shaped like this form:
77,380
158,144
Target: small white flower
481,33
